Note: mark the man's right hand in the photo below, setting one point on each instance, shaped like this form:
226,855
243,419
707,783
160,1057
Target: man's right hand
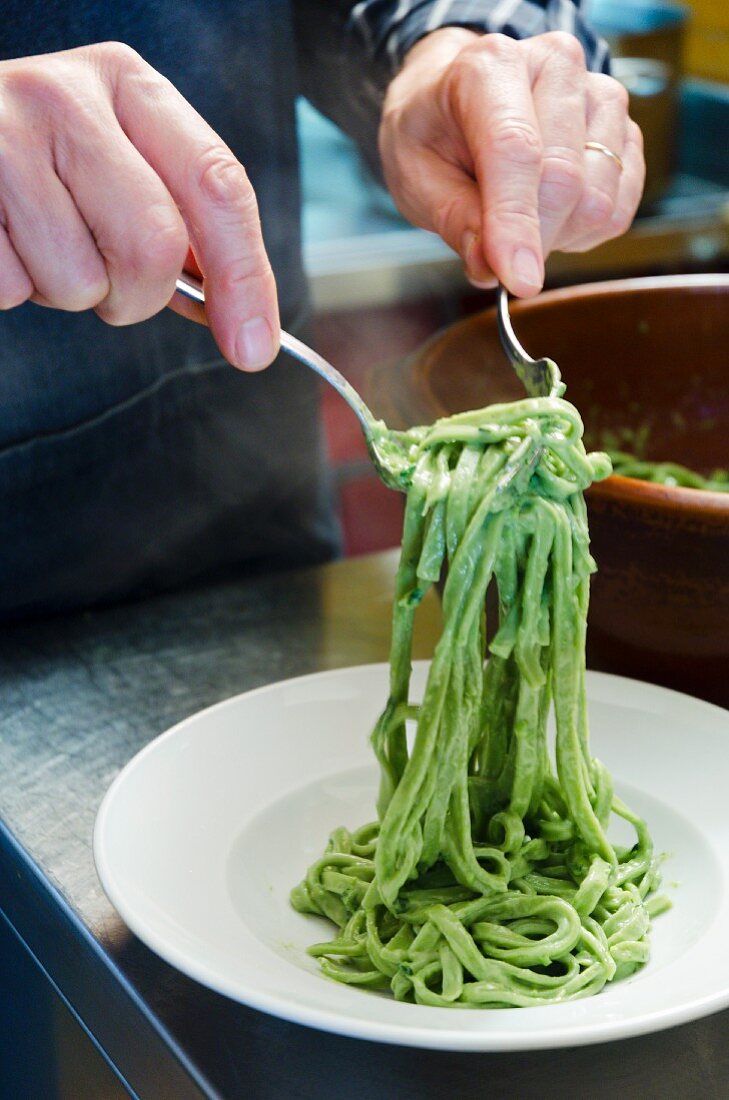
107,175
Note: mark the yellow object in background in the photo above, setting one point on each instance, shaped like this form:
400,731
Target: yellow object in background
707,41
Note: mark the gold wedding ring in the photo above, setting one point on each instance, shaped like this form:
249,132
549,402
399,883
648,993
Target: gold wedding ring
598,147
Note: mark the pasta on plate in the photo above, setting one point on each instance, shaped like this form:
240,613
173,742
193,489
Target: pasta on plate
488,878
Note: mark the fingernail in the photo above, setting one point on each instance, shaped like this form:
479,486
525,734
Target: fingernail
469,247
254,346
527,268
474,262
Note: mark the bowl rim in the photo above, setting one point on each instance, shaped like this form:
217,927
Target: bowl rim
637,492
607,287
633,490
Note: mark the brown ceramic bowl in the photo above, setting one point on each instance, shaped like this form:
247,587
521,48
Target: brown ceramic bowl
650,356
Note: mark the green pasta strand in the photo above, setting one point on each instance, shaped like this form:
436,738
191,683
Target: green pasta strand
488,879
668,473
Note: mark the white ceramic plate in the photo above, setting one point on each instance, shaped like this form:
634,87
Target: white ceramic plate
200,838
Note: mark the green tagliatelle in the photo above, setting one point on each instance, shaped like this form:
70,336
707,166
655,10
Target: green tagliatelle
668,473
489,878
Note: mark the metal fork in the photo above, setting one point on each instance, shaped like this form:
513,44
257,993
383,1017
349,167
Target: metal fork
541,377
389,460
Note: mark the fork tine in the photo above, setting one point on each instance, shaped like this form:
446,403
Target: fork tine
540,377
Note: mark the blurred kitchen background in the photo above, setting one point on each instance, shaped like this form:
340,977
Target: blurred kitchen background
381,288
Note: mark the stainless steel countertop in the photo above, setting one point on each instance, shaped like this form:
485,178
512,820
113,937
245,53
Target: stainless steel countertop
78,697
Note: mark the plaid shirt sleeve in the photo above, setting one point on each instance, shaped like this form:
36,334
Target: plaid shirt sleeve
348,52
386,30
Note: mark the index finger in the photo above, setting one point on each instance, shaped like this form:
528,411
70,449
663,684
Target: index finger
493,101
219,207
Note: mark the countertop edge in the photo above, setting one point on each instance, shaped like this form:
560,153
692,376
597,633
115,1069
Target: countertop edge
95,992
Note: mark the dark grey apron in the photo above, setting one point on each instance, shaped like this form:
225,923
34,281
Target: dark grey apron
134,459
